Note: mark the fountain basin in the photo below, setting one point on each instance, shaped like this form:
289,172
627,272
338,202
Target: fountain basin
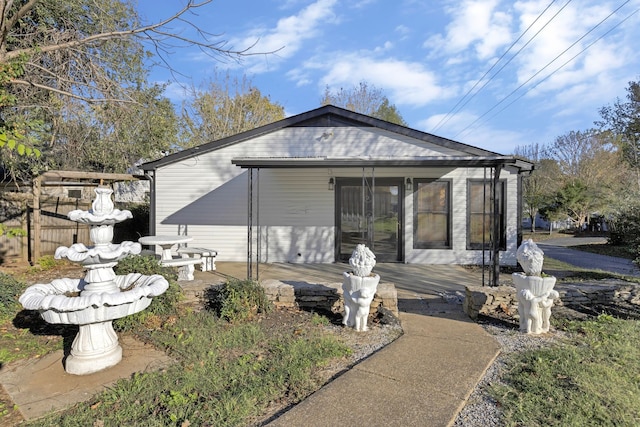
96,346
57,303
536,284
97,254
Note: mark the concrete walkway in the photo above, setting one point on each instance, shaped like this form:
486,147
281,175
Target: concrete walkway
423,378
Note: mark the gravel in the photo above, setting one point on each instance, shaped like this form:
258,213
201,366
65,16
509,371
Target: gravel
481,410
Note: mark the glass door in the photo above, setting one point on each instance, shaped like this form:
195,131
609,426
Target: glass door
370,212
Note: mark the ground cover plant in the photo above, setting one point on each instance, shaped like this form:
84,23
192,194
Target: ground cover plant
589,379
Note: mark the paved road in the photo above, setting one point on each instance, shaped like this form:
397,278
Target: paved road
560,249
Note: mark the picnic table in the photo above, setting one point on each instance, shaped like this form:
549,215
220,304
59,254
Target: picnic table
166,242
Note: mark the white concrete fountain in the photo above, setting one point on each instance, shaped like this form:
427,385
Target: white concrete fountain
534,291
359,287
102,296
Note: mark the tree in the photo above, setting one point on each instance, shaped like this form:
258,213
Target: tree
113,137
364,99
83,48
57,53
226,108
593,175
539,188
622,122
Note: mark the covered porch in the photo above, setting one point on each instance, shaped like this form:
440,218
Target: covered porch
435,284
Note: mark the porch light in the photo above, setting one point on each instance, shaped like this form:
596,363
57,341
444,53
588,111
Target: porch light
409,184
331,184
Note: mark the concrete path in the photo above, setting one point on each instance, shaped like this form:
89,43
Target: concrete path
423,378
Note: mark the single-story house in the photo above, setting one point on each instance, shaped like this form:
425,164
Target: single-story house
309,188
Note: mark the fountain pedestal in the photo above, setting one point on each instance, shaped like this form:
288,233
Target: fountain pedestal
535,298
95,348
358,294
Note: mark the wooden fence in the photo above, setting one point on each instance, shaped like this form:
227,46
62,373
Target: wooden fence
55,228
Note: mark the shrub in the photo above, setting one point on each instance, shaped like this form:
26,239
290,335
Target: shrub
625,230
239,300
162,305
10,290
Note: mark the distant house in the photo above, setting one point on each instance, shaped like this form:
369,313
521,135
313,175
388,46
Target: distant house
325,180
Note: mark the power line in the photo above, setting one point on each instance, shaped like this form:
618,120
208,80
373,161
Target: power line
455,108
566,63
551,62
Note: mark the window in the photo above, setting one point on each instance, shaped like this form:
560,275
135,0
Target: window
480,214
75,194
432,214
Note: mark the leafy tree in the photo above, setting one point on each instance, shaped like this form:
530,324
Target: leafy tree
60,60
112,137
539,188
225,108
622,122
592,173
364,99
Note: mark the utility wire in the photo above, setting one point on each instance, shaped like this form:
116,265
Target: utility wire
549,64
565,63
455,108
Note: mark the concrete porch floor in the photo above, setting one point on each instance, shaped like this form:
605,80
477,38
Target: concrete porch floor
411,280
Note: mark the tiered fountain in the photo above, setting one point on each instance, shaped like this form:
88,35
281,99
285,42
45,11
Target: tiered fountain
102,296
359,287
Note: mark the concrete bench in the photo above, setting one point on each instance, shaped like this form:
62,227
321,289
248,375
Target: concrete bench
208,256
185,266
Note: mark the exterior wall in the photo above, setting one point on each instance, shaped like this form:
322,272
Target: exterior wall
458,254
206,197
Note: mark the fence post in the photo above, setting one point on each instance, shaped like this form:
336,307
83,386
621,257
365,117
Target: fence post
37,187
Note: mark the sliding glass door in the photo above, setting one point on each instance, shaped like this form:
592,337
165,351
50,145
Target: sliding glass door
369,211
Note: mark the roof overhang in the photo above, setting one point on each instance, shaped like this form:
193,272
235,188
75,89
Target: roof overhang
349,162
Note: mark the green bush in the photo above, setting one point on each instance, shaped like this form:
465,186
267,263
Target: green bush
162,305
10,290
239,300
625,230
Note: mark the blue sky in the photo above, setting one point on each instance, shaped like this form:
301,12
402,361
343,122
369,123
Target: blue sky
490,73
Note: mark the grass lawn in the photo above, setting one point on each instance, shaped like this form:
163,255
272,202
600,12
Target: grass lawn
590,379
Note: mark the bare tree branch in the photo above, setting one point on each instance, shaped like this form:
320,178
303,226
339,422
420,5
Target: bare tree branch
70,94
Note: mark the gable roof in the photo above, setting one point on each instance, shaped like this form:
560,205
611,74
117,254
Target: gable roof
326,116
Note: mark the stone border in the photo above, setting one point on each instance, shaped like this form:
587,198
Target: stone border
500,301
325,296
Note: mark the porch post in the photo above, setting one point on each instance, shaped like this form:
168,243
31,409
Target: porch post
495,228
249,223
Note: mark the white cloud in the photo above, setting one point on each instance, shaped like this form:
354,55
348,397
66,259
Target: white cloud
176,91
475,24
404,83
289,34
